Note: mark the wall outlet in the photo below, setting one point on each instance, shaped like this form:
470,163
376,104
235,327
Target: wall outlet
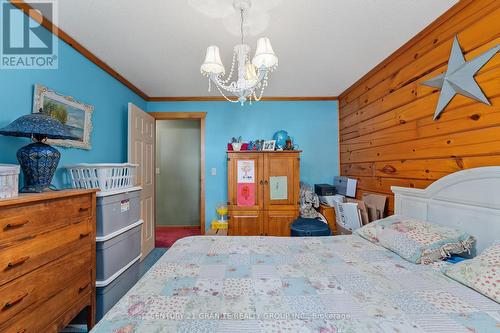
214,172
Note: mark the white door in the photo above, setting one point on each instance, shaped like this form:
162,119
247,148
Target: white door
141,150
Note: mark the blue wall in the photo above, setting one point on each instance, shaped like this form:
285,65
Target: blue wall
313,125
82,79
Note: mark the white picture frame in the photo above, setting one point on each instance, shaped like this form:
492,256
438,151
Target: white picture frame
269,145
72,113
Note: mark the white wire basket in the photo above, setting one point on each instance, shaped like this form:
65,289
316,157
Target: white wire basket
9,179
106,177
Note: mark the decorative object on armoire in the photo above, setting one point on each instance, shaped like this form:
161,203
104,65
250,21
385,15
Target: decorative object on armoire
259,144
77,116
38,160
236,143
269,145
9,180
251,75
281,137
105,176
256,207
459,77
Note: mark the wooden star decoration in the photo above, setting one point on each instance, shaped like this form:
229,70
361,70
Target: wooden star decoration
459,77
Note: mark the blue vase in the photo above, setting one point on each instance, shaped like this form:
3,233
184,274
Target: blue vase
39,163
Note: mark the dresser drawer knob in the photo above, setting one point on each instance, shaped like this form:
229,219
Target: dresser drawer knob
17,262
10,304
15,225
84,235
83,209
81,289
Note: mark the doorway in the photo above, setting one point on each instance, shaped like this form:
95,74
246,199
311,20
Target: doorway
179,176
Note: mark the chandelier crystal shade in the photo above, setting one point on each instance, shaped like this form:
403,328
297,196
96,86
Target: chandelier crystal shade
252,75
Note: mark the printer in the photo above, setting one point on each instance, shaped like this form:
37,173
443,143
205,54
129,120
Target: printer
324,189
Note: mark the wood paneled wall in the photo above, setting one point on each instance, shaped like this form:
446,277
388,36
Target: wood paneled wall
387,134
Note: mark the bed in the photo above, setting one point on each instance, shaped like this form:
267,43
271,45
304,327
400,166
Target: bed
322,284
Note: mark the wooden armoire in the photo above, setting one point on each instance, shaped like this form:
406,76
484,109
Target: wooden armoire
263,192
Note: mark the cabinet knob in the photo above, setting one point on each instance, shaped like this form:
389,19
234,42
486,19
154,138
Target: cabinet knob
10,226
84,235
81,289
17,262
261,182
265,182
10,304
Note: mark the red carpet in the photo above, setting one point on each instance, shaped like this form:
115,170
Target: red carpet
166,236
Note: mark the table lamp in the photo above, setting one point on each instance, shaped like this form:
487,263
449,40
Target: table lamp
38,160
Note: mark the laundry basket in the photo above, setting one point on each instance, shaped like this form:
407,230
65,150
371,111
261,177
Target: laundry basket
9,178
106,177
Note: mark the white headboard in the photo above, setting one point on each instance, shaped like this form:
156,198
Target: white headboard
468,200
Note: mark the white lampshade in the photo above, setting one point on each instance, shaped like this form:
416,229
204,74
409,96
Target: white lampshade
212,63
264,54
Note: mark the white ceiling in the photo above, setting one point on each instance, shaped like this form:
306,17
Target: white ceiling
323,46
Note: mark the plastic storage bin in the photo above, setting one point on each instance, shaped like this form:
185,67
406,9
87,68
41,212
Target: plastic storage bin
109,292
115,251
106,177
9,180
117,210
303,227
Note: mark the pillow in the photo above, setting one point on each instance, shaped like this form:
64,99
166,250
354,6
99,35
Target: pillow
417,241
481,273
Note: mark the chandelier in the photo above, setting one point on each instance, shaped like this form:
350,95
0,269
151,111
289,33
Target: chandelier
252,75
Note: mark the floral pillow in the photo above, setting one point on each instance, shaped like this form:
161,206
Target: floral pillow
481,273
417,241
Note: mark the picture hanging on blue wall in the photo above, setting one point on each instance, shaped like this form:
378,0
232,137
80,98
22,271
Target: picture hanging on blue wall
75,115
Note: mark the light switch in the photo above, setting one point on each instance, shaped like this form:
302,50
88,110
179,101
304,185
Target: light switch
157,171
214,172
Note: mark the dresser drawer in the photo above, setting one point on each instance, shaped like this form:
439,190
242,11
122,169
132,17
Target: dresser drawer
33,253
42,283
37,317
21,222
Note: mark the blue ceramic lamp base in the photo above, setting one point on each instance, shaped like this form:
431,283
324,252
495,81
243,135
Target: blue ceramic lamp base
39,163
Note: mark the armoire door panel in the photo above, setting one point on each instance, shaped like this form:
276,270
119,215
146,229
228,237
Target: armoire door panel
245,223
234,160
277,223
281,173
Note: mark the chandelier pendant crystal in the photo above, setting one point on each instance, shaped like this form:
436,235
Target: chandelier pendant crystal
252,75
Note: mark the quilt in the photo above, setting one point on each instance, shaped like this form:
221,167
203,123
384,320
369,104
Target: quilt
339,284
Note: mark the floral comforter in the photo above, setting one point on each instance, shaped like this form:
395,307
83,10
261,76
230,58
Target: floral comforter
271,284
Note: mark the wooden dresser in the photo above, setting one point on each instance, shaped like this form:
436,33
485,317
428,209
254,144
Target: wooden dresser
47,260
263,192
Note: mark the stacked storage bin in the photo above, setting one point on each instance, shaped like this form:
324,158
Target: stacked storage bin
118,247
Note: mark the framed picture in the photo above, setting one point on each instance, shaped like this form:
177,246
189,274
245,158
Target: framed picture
76,115
269,145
